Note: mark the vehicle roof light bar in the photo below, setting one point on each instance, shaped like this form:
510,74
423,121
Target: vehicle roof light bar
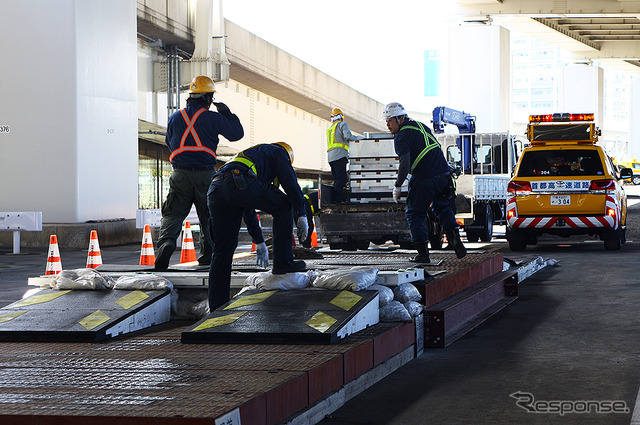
564,117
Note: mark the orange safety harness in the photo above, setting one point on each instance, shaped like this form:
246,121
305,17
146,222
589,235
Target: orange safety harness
191,130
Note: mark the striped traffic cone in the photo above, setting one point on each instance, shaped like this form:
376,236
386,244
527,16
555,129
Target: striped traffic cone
54,263
147,255
94,257
188,253
314,239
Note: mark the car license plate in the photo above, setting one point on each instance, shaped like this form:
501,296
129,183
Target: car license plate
561,200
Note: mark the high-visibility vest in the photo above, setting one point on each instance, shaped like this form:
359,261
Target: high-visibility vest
191,130
331,138
429,141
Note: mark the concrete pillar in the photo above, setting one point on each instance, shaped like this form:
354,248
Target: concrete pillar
69,109
634,120
582,91
480,75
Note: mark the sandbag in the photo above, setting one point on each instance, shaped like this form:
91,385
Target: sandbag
394,312
385,294
414,308
353,279
86,279
143,282
268,281
406,292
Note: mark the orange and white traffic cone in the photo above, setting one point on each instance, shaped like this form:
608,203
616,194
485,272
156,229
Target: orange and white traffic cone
54,263
314,239
94,257
147,255
188,253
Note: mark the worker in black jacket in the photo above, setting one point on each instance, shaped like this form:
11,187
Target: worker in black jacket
192,138
420,154
313,208
249,182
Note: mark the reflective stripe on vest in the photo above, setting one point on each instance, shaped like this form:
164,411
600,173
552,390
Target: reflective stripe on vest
331,138
242,159
191,130
313,210
429,141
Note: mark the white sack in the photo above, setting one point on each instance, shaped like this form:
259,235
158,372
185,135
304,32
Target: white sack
88,279
353,279
385,294
414,308
267,281
142,281
394,312
406,292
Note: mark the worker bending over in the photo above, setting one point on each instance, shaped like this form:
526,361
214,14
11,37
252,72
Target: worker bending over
338,138
192,138
420,154
249,181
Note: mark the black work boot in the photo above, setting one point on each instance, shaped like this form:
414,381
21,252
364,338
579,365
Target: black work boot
423,253
164,255
453,236
290,267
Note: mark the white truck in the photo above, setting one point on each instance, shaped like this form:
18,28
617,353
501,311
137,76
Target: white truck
371,215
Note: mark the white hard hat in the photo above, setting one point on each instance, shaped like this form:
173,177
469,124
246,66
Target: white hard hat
393,109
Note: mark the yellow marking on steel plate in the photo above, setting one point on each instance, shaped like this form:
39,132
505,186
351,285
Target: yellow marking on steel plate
321,321
39,299
219,321
250,299
7,317
132,299
345,300
94,320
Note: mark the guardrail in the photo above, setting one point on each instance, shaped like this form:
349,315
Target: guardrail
18,221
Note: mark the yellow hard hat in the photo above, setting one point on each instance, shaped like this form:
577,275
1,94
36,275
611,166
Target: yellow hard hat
287,148
336,114
202,84
336,111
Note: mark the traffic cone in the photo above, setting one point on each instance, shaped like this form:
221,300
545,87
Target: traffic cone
54,263
314,239
147,255
188,253
94,258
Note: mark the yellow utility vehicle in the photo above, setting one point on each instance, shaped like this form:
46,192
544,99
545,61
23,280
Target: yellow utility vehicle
566,184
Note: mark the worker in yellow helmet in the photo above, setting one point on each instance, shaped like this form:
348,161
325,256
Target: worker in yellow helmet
338,137
248,182
192,138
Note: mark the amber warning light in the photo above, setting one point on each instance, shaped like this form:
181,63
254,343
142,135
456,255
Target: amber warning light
561,117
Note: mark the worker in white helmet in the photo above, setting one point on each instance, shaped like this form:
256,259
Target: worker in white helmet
420,154
192,138
248,182
338,137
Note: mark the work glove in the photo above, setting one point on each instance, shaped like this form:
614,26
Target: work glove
222,108
396,194
263,255
303,228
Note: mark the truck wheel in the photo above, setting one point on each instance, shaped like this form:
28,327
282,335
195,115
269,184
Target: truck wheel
635,179
351,245
472,236
517,240
362,245
487,226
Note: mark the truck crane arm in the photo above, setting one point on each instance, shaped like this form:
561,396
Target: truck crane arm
442,115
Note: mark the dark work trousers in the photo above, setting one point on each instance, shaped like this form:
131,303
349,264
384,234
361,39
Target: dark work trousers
307,242
186,188
227,198
422,192
339,172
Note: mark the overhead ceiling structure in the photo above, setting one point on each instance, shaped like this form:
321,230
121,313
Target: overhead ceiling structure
607,31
